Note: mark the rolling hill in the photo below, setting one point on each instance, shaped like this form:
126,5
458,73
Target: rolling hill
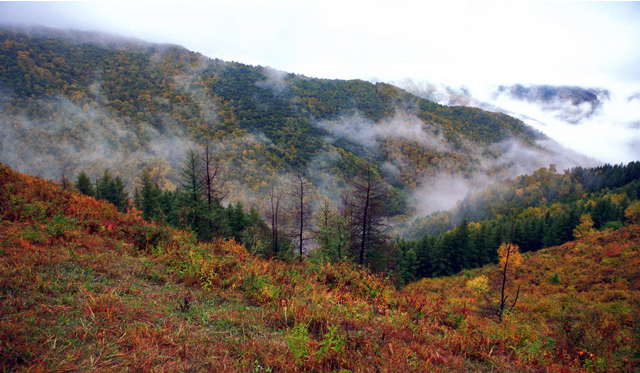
85,287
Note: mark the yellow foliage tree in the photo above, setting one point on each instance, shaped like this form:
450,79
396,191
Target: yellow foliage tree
479,285
632,213
585,228
510,256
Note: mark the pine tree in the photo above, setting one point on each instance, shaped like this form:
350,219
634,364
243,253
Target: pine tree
119,194
256,235
112,190
84,185
149,198
237,221
333,232
191,203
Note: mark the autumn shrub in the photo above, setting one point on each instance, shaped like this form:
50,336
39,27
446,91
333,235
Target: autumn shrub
298,341
61,226
360,282
332,344
148,237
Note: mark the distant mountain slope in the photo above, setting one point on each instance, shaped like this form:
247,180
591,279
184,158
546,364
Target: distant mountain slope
572,104
600,122
73,101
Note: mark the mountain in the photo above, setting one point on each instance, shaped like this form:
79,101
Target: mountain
572,104
73,101
85,287
599,122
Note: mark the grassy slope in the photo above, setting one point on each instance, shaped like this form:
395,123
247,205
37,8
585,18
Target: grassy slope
84,288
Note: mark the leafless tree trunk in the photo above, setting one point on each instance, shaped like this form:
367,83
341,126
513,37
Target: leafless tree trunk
213,182
367,207
275,198
299,193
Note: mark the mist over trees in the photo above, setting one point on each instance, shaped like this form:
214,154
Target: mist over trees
126,106
290,165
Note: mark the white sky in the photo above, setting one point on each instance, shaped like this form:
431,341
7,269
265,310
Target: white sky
586,44
472,44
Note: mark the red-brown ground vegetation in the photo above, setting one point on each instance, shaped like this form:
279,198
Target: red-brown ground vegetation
85,288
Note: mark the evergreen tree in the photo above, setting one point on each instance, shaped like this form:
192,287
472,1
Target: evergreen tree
463,245
256,235
84,185
191,208
119,194
237,221
333,232
148,200
426,253
406,266
112,190
167,203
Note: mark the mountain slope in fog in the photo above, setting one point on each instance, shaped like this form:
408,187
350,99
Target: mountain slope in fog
74,101
570,104
601,123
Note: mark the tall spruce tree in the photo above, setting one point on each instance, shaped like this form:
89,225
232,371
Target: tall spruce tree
192,204
84,184
148,200
112,190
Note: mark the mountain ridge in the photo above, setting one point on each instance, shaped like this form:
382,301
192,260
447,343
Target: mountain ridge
74,105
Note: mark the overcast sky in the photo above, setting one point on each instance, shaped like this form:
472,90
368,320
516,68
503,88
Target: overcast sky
463,43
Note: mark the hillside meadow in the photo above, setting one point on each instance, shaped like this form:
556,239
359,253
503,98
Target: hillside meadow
84,287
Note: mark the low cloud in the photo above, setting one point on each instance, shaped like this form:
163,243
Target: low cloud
191,83
608,134
569,104
600,123
444,191
402,125
274,80
73,138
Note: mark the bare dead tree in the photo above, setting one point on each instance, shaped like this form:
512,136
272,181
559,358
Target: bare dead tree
276,195
301,211
368,212
214,184
65,169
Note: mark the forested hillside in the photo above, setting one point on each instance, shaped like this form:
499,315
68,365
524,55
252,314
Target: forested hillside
75,102
285,163
535,211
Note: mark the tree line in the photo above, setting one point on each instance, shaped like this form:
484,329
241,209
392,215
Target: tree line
289,225
297,222
555,209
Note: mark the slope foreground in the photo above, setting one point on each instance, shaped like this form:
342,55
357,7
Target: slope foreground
85,288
